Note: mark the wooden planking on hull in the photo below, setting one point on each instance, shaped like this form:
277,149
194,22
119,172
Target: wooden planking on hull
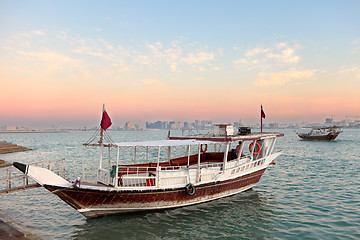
137,200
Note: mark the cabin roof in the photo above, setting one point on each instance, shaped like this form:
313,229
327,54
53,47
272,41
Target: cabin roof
159,143
230,138
163,143
190,140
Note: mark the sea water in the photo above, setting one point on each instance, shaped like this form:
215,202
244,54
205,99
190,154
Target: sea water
311,193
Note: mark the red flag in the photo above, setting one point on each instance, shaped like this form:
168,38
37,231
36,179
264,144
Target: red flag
105,121
262,113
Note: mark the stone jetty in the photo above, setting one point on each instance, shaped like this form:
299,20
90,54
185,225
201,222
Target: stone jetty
6,147
9,232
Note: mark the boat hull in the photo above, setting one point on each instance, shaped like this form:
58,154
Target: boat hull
94,203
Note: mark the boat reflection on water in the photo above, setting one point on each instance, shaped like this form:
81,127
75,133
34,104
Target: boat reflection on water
240,216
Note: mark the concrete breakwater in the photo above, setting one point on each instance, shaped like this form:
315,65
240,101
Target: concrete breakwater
8,229
9,232
6,147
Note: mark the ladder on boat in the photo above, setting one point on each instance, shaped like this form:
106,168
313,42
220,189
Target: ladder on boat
13,180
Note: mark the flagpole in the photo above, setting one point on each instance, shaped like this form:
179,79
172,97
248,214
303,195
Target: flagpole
261,119
262,115
101,129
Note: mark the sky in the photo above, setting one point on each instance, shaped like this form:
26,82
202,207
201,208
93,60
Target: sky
60,61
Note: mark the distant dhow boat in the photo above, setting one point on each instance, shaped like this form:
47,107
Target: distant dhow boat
175,172
322,133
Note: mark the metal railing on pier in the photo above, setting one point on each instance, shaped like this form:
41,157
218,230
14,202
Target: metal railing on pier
13,180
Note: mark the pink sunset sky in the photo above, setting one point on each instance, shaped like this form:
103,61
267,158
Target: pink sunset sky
60,61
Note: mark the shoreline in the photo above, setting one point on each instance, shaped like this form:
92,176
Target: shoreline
3,163
43,131
11,230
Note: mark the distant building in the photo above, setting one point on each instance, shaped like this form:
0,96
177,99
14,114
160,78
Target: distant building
171,125
328,121
131,126
197,124
15,128
206,124
179,125
155,125
273,125
116,128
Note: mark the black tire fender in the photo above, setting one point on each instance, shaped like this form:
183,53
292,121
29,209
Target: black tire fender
190,189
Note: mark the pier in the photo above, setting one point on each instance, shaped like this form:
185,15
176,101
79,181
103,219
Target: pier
13,180
7,231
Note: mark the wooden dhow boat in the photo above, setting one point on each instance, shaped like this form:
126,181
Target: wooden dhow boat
320,133
163,174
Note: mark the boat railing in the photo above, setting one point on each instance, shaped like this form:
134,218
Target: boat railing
104,176
175,176
56,166
196,132
91,176
129,176
172,174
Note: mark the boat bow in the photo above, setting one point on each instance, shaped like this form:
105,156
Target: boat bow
42,176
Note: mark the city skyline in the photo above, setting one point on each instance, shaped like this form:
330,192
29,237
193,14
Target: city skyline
197,124
60,61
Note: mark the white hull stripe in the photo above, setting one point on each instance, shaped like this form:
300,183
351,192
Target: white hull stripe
84,210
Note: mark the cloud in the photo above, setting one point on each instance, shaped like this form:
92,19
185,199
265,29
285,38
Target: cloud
53,63
156,49
48,57
89,51
260,57
143,59
356,44
96,48
280,78
158,55
102,52
154,84
31,34
256,51
241,61
199,57
285,56
281,45
38,33
354,70
174,56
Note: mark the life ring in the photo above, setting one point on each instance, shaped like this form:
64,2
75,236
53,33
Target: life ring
203,150
190,189
259,148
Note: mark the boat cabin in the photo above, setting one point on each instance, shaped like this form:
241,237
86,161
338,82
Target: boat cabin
178,161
